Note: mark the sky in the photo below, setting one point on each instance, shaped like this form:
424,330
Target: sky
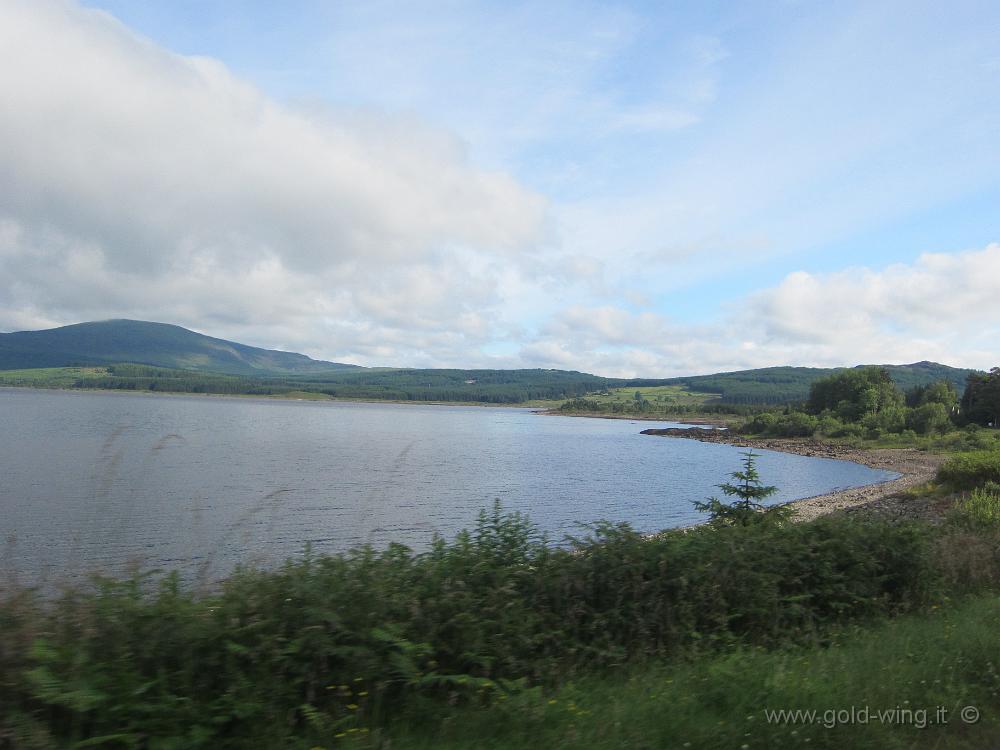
629,189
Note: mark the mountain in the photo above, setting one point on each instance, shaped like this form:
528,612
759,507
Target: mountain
779,385
169,346
160,344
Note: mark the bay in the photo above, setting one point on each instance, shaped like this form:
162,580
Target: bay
108,482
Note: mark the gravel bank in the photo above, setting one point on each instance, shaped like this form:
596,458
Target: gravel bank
883,499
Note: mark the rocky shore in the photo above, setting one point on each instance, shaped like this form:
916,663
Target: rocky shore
888,499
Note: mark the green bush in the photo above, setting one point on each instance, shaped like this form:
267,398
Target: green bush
969,470
969,438
981,507
944,657
852,431
929,418
341,644
889,419
829,424
788,424
854,393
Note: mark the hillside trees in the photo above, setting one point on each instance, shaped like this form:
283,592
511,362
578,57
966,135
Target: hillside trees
867,402
981,400
939,392
929,418
855,394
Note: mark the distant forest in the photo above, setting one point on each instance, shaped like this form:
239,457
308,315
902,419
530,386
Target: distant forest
478,386
867,403
737,392
166,357
782,385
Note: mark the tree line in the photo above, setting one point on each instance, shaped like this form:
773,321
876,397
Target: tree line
474,386
866,402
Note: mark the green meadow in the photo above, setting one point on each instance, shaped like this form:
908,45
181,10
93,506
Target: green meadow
51,377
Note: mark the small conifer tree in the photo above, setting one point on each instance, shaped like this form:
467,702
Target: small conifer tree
750,491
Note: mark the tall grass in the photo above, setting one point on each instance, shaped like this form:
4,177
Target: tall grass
336,645
907,683
981,506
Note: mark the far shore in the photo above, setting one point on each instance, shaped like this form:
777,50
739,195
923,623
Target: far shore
886,499
291,396
677,418
916,467
322,397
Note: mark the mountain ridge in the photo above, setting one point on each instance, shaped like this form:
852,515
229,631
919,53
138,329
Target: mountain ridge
150,343
118,341
784,384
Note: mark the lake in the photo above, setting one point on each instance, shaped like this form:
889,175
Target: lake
101,481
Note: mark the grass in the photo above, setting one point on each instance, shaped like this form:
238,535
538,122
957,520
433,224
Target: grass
778,424
51,377
305,396
948,657
959,439
981,506
969,470
661,397
661,402
295,656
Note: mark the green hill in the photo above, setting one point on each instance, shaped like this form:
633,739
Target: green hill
195,362
779,385
159,344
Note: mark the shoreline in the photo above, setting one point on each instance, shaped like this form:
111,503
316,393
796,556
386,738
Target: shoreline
544,411
262,397
915,467
677,419
882,498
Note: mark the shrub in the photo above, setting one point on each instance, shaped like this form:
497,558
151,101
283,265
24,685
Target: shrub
341,643
791,424
854,431
889,419
969,470
829,425
968,556
854,393
929,418
981,507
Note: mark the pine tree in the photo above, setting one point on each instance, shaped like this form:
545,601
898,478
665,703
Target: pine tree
748,487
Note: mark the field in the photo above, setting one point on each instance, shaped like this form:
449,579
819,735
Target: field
51,377
661,397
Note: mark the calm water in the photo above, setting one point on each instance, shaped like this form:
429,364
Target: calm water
101,481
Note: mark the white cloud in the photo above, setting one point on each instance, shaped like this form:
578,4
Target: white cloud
153,152
133,179
943,307
135,182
